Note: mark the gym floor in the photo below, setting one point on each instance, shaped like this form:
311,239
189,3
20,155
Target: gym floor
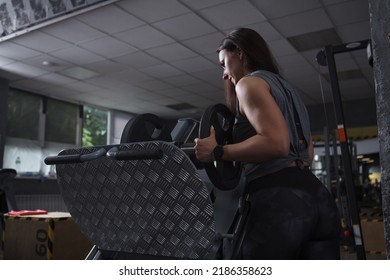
372,227
345,255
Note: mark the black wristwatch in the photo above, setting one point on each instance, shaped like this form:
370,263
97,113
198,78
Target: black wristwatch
218,152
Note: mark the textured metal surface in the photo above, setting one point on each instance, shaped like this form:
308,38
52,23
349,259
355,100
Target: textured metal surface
48,202
154,207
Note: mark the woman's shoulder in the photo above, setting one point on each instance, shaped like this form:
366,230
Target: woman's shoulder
251,83
266,75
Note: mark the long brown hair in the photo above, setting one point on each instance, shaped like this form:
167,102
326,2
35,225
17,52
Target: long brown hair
257,56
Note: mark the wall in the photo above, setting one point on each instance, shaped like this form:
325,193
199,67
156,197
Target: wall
3,116
357,113
380,35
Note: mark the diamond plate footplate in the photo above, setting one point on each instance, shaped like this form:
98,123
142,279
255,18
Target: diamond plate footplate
153,207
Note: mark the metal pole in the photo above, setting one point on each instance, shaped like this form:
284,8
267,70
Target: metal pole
345,152
327,160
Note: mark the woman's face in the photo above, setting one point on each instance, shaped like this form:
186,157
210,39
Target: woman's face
231,62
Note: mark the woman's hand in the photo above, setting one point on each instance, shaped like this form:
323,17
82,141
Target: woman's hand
204,147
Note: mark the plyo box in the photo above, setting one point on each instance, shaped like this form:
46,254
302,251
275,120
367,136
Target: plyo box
39,237
373,236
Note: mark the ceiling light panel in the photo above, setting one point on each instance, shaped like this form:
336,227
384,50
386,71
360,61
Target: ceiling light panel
315,40
78,73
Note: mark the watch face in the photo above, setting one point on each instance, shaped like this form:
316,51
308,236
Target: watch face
218,152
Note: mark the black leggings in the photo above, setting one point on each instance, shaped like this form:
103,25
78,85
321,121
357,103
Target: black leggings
292,216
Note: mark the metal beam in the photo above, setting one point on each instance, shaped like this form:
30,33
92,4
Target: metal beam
326,57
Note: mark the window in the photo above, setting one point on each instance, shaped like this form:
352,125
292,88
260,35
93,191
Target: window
61,122
23,115
94,126
39,126
22,149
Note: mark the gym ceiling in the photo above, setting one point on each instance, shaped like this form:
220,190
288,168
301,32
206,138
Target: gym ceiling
158,56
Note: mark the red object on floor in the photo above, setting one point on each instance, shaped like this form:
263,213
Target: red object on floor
27,212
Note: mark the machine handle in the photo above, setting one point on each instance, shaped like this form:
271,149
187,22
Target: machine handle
113,153
51,160
135,154
76,158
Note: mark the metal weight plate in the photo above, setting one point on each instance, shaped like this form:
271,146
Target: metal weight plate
145,127
225,175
